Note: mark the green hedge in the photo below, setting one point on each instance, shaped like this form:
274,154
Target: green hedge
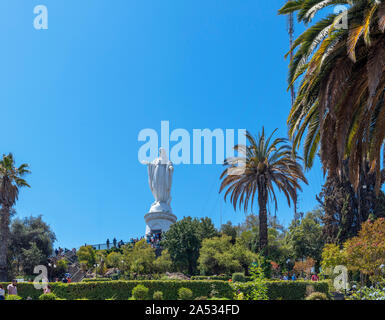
95,279
285,290
222,278
121,290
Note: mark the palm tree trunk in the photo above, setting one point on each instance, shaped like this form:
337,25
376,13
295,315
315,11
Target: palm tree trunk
262,202
4,238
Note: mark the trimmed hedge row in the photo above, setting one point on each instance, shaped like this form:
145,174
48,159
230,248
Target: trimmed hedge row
121,290
222,278
285,290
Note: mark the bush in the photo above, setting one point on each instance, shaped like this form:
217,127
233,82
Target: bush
185,294
366,293
158,295
48,296
201,298
285,290
238,277
121,289
13,297
317,296
140,292
221,278
95,279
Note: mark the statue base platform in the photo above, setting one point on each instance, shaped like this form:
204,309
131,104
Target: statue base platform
158,221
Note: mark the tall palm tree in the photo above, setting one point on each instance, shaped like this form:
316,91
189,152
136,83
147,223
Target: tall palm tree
268,164
11,179
339,62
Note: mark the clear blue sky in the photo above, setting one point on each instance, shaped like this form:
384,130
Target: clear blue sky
73,99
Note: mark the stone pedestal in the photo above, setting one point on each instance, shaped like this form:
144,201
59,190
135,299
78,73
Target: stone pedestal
159,218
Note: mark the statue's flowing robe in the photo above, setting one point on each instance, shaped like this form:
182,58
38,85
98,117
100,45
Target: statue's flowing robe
160,180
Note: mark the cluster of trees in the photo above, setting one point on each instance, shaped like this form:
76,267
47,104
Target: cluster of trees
194,246
363,255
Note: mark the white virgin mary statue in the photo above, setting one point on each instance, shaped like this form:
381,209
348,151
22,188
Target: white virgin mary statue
160,173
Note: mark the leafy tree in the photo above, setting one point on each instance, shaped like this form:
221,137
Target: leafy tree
340,103
366,252
11,179
163,263
269,164
260,290
140,258
31,243
114,259
87,256
278,248
305,236
332,256
206,228
217,257
229,230
243,255
183,241
61,268
305,266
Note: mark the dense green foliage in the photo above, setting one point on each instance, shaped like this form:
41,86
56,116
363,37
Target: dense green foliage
185,294
305,236
183,241
158,295
48,296
286,290
317,296
140,292
122,290
31,243
11,179
238,277
219,256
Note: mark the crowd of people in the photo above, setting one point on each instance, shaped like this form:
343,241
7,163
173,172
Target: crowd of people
293,277
60,251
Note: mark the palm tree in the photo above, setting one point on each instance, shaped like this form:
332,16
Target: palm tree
10,182
267,164
340,66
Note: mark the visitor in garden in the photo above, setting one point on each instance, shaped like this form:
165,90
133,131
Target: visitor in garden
2,293
108,243
12,288
314,277
294,277
114,242
47,289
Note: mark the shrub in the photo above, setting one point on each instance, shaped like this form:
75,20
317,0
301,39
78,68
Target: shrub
158,295
95,279
140,292
48,296
285,290
366,293
317,296
101,290
238,277
201,298
13,297
185,294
